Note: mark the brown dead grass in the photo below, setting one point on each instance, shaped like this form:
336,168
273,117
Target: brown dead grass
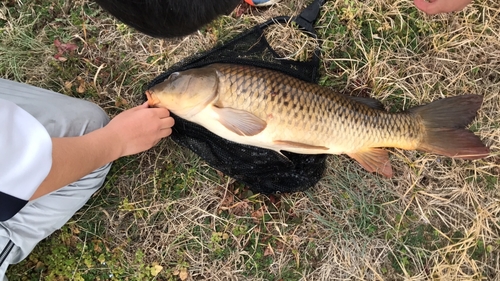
352,225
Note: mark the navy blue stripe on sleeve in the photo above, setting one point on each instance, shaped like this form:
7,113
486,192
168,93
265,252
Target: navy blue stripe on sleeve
10,205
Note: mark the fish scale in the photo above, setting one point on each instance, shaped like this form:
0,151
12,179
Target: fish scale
269,109
270,93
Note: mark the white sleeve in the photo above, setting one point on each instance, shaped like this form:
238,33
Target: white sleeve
25,152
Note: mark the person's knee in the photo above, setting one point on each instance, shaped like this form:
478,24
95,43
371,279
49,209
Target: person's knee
60,114
71,117
94,115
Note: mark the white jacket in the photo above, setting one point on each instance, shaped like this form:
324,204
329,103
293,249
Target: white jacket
25,157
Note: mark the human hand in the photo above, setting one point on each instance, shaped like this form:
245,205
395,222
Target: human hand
139,128
432,7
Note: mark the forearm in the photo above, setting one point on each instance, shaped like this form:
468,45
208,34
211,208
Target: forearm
75,157
130,132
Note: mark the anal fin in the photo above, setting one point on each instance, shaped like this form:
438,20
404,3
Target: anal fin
374,160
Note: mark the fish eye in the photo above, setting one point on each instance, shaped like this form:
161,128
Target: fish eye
173,75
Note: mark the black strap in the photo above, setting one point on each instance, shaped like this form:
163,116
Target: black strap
309,15
6,251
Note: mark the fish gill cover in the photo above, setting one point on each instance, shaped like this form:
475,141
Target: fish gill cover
262,170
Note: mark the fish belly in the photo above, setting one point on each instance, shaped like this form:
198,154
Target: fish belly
269,138
210,121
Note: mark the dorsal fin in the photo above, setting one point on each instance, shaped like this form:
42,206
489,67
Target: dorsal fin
373,103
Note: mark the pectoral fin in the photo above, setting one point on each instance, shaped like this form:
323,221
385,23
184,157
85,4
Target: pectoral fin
152,99
298,145
374,160
240,122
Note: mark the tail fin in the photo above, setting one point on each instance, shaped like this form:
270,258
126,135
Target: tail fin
445,120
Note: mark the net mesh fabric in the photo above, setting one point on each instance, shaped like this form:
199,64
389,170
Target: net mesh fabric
262,170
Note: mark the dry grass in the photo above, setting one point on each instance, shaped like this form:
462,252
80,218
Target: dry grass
437,218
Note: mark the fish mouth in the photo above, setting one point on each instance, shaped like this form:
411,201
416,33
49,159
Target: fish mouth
152,100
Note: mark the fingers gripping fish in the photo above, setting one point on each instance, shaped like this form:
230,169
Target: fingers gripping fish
269,109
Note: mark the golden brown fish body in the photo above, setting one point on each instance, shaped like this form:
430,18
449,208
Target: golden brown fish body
312,115
268,109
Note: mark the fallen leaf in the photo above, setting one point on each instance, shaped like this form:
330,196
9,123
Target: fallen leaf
119,102
63,48
155,269
227,201
274,199
241,9
101,258
241,208
60,58
268,251
258,214
183,274
279,245
81,88
81,85
74,229
220,174
68,85
97,248
39,265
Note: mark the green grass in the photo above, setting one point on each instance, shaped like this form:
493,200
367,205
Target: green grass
166,215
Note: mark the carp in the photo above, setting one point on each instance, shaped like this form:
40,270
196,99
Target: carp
271,110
